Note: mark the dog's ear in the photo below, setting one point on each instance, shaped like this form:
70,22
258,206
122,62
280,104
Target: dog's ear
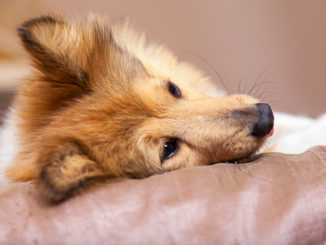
68,169
76,53
51,43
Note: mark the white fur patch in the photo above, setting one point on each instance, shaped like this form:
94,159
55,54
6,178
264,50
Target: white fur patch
295,134
8,145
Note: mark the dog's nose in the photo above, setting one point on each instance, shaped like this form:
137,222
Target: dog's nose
265,121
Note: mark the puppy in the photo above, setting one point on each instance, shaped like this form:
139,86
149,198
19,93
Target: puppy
102,103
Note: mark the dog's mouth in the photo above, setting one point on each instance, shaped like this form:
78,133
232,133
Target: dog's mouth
251,156
263,128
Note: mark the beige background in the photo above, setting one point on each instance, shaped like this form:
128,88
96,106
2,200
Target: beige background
280,44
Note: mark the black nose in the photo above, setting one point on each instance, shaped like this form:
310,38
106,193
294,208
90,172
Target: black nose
265,121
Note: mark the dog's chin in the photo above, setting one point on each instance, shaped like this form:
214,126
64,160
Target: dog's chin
247,158
239,160
242,160
250,157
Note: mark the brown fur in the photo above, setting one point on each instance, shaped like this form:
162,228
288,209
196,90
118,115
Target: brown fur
98,106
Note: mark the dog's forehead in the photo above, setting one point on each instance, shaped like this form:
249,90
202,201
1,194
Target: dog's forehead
159,61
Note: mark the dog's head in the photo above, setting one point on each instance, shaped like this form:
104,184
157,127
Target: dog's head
103,104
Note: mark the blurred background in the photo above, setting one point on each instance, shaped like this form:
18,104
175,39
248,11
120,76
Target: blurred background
278,45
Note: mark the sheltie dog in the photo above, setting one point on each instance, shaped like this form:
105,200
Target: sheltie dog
103,103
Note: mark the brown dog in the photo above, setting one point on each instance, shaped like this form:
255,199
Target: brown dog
102,103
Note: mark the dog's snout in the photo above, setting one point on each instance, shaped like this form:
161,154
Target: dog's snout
265,121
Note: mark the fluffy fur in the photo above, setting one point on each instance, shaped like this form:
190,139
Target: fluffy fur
102,103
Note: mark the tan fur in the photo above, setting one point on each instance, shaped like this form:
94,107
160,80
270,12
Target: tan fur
98,106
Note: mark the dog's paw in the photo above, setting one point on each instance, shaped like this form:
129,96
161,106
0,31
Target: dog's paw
68,170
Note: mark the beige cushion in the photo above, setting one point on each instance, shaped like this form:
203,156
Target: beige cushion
278,199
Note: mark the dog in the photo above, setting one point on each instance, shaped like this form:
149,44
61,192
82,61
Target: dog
103,103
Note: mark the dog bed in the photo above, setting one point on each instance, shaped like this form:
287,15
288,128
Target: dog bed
277,199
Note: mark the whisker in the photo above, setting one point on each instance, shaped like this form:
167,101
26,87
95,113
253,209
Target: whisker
228,82
260,85
239,91
218,75
269,93
244,88
261,74
268,96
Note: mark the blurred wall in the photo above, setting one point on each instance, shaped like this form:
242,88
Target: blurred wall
279,45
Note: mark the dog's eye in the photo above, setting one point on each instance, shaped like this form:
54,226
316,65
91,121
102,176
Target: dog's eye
170,148
174,90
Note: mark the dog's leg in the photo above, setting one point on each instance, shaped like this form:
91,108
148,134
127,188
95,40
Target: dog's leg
68,168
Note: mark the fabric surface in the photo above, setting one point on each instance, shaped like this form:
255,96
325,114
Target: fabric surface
277,199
